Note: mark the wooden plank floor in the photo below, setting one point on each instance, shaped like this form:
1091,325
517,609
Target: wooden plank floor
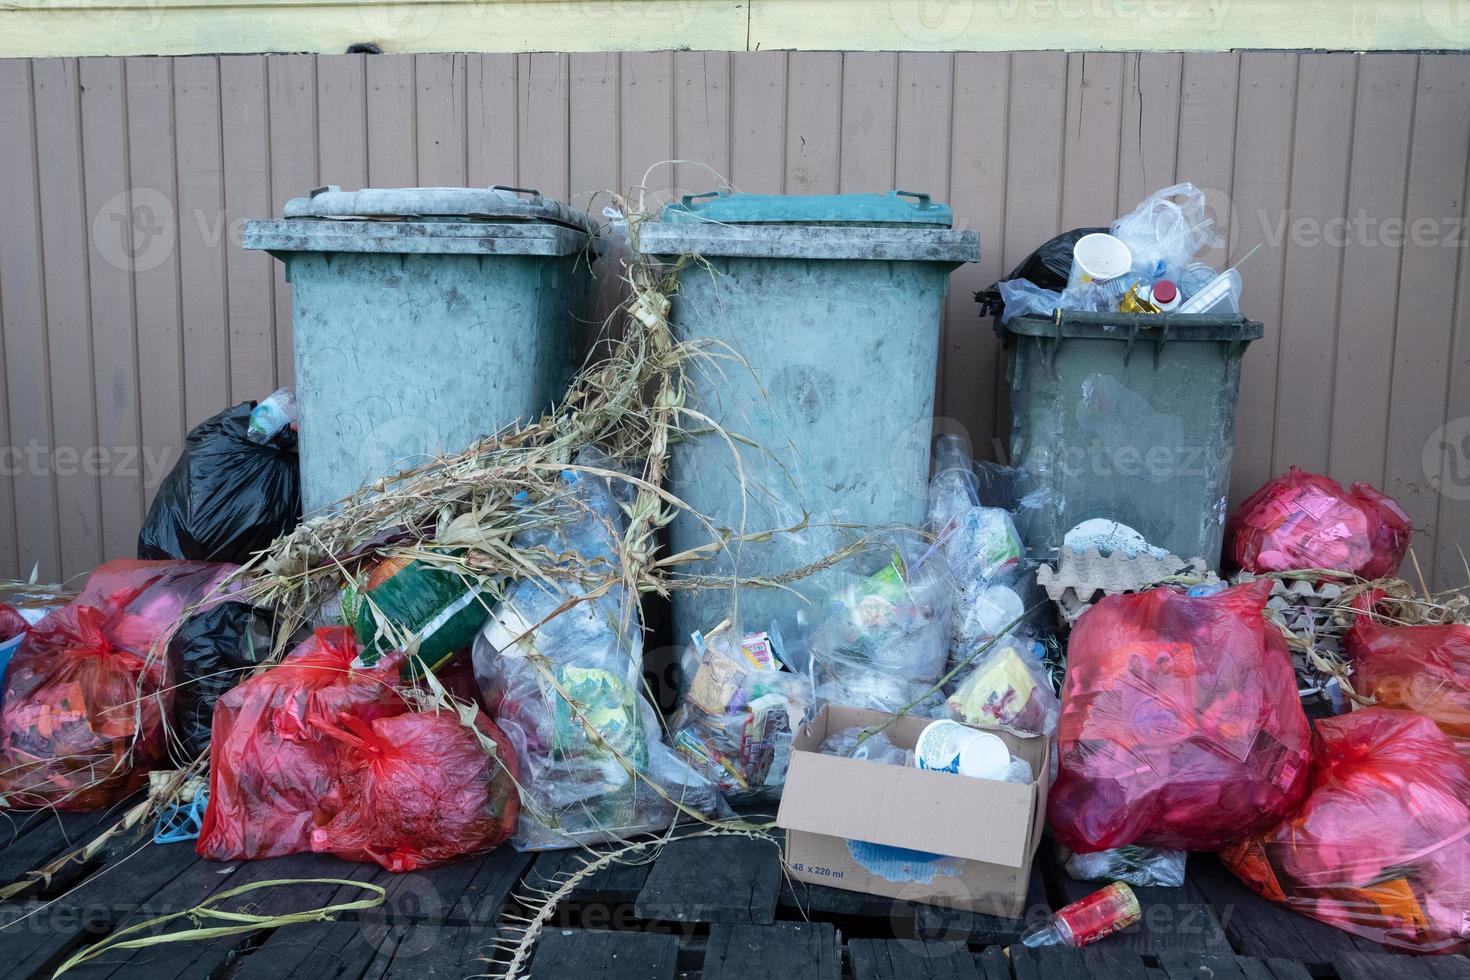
700,909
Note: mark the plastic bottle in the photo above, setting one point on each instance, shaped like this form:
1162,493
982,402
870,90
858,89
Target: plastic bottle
1089,919
272,415
1165,295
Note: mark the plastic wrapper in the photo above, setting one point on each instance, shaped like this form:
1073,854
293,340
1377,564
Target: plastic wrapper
1140,867
1021,298
850,744
1007,687
884,638
586,771
271,765
1421,668
1381,845
227,497
211,653
1166,231
1048,268
419,789
738,714
87,692
1301,520
404,601
1180,726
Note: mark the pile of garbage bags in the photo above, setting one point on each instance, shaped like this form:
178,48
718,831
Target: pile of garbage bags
1305,521
1381,845
1425,669
235,490
562,675
1181,726
90,688
324,753
739,708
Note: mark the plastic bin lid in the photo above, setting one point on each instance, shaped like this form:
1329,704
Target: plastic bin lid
496,203
893,208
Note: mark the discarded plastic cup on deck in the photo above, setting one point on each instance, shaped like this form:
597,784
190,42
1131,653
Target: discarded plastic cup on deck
1089,919
948,746
1099,258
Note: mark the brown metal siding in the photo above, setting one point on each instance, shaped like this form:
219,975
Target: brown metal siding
129,313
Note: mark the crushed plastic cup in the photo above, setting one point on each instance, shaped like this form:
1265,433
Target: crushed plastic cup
1099,258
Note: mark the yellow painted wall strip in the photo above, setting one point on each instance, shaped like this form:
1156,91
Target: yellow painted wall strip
48,28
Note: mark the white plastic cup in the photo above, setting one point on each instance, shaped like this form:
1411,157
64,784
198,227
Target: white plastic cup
1100,258
948,746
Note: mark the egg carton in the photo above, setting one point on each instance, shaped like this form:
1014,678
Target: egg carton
1080,578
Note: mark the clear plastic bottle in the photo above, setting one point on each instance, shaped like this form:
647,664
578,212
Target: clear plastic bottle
272,415
1089,919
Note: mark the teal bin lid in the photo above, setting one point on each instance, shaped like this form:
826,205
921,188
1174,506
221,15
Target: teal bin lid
464,204
892,208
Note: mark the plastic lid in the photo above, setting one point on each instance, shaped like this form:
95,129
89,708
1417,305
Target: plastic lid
1165,291
893,208
496,203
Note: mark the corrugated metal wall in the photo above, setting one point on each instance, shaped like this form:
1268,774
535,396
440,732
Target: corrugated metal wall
129,312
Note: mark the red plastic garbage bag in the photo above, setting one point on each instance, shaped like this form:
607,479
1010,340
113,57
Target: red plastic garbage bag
1381,846
88,690
1181,726
270,765
1302,520
12,623
1421,668
420,789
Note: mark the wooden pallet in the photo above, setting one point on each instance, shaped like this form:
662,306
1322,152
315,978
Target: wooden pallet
699,909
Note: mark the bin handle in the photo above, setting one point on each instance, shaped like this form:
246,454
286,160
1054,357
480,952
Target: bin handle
688,199
1160,341
919,196
318,191
535,194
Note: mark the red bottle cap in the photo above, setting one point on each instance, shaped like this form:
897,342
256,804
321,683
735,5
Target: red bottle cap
1165,291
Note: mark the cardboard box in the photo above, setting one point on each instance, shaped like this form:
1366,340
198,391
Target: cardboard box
907,833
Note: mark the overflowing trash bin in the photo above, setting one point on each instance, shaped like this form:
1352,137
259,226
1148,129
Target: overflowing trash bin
423,319
820,318
1124,376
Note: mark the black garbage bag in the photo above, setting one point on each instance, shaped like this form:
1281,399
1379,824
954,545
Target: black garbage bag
212,652
228,497
1047,267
